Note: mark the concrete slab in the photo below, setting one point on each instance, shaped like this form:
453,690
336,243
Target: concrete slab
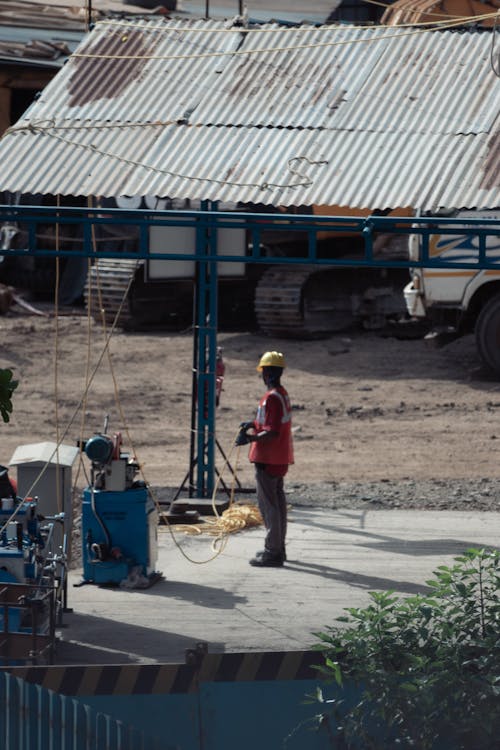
335,557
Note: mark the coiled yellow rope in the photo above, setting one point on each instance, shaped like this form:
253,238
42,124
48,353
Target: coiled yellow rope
237,517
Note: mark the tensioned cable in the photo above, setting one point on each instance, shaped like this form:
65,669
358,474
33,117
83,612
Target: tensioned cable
288,48
70,422
59,503
222,526
269,28
303,180
81,463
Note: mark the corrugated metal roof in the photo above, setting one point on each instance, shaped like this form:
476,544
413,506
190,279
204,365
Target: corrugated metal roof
265,11
63,14
339,115
37,47
43,34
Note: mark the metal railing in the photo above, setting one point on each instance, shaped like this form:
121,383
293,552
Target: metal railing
27,625
38,220
41,222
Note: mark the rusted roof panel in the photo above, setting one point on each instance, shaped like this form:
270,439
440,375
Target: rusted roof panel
139,72
42,33
428,82
375,79
272,166
330,115
335,77
293,77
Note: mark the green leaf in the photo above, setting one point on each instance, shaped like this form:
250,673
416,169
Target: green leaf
7,388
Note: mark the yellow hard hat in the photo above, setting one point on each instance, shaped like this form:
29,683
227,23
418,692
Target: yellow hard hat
271,359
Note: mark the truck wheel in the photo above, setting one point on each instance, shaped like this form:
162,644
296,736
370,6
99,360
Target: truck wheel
487,334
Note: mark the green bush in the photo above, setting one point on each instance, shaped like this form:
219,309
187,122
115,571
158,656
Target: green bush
7,388
426,667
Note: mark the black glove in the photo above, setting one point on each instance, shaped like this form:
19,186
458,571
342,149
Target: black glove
243,438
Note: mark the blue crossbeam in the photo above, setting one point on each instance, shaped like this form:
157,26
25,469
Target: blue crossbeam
206,256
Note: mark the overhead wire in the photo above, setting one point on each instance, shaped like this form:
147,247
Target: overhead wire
312,45
231,520
303,180
59,503
273,27
69,424
90,376
298,178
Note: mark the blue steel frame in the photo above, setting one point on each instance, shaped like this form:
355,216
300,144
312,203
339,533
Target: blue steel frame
207,222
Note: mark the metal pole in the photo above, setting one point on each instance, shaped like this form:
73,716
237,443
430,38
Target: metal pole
211,358
201,362
207,355
194,386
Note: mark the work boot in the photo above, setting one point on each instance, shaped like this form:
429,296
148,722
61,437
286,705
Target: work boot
265,552
266,560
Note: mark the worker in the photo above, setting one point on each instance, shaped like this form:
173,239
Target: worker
271,451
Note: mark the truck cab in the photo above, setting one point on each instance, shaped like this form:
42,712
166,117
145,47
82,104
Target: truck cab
459,300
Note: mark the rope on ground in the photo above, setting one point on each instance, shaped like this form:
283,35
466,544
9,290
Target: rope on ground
237,517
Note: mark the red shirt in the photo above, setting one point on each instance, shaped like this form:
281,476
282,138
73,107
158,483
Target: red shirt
274,415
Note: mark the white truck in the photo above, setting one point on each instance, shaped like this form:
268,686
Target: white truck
460,300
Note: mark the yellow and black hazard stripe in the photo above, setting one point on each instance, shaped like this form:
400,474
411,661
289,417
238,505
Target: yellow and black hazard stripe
256,667
149,679
125,679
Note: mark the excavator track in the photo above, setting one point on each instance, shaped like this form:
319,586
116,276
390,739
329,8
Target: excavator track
278,300
107,284
305,302
287,303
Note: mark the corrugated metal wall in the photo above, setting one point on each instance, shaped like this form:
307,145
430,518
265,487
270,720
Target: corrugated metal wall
213,702
34,718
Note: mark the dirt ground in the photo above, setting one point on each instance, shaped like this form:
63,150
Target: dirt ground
367,408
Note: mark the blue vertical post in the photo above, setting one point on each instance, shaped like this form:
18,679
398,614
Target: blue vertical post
368,239
206,324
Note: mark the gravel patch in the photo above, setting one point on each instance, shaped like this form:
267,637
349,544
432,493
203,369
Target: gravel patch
460,494
481,494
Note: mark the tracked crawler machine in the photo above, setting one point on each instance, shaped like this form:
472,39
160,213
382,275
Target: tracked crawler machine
297,300
285,300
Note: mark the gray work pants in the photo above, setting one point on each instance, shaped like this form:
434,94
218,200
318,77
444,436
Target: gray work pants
272,505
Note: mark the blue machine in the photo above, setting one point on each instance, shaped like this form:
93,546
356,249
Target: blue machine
119,535
23,546
32,578
119,520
